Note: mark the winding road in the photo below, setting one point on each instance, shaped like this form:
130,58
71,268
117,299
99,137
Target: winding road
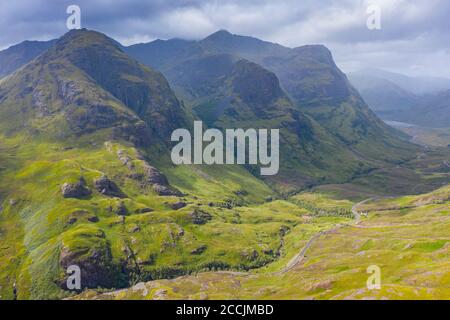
298,258
355,208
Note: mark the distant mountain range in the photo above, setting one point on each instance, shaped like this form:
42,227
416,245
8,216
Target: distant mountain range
421,101
308,74
232,80
16,56
387,93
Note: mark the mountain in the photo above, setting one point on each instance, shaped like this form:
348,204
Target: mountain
383,95
226,91
121,96
417,85
431,111
85,144
395,97
84,137
17,56
311,79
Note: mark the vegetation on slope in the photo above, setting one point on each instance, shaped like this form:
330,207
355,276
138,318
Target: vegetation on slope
410,245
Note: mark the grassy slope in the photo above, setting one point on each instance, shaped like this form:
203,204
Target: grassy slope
34,222
410,244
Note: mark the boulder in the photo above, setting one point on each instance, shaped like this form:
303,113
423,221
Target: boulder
199,250
200,217
177,205
144,210
108,187
93,219
121,209
75,190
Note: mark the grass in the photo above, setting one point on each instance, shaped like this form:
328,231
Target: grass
411,247
245,234
36,221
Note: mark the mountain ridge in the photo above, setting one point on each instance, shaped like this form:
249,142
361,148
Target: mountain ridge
309,76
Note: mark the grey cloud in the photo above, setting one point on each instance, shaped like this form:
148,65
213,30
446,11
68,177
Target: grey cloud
414,37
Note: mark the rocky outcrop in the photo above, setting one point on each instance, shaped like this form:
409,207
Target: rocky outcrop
250,255
121,209
284,230
159,182
75,190
177,205
200,217
95,263
108,187
126,159
150,175
199,250
144,210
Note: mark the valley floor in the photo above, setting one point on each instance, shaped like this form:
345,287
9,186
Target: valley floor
408,238
437,137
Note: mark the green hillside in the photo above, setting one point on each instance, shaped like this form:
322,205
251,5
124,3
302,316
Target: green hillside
311,79
227,92
407,238
80,155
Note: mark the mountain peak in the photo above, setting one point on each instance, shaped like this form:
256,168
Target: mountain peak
317,51
220,35
91,84
86,38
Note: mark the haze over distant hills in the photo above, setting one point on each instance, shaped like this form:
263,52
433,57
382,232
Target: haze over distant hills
308,74
422,101
417,85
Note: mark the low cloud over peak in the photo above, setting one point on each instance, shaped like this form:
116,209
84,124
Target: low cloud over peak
413,38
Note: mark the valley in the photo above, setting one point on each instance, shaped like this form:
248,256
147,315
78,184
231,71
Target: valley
394,234
437,137
86,177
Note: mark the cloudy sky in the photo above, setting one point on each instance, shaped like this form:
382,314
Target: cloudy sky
414,37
